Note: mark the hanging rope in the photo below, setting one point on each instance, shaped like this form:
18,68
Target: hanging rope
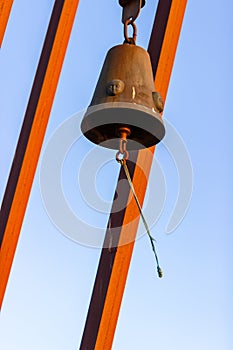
122,161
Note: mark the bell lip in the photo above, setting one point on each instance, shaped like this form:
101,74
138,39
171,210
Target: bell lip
153,126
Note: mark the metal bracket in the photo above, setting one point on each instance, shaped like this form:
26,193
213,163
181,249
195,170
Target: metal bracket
131,9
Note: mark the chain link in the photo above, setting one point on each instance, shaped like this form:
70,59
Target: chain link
127,39
131,10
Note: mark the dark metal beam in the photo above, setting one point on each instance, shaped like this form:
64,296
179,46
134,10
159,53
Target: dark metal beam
32,133
5,9
29,117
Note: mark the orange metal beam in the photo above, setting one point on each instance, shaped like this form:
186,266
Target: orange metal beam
5,9
114,263
32,133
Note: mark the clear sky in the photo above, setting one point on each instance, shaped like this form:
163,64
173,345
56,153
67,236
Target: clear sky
49,289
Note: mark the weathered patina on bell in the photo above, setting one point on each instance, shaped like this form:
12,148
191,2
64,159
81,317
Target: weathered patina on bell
125,97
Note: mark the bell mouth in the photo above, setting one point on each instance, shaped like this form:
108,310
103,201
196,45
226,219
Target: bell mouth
101,125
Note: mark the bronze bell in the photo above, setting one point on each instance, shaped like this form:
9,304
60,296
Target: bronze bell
124,99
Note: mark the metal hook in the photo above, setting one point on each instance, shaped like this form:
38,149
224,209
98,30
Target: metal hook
131,9
122,156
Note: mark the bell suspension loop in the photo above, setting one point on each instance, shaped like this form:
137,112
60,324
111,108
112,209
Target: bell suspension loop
127,39
131,10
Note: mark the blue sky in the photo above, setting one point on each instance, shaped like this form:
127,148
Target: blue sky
52,277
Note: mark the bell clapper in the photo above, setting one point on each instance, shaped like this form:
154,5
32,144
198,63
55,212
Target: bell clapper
122,157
